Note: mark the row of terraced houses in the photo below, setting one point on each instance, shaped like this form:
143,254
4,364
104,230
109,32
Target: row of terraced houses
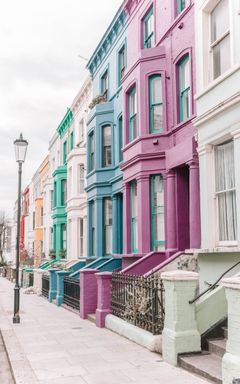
142,181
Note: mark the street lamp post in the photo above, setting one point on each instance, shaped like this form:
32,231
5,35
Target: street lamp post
20,153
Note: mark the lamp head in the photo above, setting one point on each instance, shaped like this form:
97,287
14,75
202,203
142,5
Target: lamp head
20,149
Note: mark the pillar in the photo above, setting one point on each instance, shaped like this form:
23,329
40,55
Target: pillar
115,224
52,284
126,219
60,286
194,205
99,243
88,292
144,225
88,234
180,333
171,232
104,281
231,359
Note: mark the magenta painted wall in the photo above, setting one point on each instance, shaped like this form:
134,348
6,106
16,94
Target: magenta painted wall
173,152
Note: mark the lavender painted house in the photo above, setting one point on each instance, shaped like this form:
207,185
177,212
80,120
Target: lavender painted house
160,162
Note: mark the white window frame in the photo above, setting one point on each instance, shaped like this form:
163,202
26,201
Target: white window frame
207,51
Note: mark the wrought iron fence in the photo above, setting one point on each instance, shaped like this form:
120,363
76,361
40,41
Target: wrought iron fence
71,295
45,285
139,300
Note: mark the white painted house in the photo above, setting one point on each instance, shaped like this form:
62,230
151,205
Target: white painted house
76,172
217,27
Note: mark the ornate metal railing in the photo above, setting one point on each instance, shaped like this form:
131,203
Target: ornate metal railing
139,300
71,294
45,285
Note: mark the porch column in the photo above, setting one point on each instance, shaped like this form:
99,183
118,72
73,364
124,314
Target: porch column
144,224
194,204
88,234
180,333
171,232
126,219
99,227
115,223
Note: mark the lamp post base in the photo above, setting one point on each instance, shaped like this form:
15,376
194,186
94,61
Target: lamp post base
16,319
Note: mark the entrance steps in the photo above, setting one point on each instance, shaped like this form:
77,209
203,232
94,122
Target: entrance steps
207,364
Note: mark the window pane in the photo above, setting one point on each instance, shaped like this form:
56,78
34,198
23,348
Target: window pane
158,212
122,63
132,103
156,89
225,172
221,57
92,145
108,225
157,117
186,105
81,178
107,146
219,20
185,89
226,195
185,74
227,214
149,30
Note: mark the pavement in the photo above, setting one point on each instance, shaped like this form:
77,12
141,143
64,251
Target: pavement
52,345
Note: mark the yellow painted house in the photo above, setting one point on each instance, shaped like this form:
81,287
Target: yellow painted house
39,183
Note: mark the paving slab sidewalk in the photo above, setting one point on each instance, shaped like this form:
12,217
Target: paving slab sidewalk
52,345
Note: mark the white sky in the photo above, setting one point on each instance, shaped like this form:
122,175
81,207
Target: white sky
40,74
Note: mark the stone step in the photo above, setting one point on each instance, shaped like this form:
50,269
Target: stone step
225,332
205,365
217,346
92,318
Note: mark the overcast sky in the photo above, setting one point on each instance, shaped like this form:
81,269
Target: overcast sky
40,74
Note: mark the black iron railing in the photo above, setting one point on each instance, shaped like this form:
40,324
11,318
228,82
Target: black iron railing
45,285
215,285
139,300
71,295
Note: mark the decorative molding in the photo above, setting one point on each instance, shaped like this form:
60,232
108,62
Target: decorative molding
109,38
65,123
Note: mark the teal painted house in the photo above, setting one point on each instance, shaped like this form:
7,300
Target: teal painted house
60,190
104,142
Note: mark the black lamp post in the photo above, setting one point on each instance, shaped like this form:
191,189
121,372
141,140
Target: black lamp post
20,152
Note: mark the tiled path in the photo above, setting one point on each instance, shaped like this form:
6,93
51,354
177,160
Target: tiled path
54,346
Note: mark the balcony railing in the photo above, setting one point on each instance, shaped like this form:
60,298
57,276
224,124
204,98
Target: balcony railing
139,300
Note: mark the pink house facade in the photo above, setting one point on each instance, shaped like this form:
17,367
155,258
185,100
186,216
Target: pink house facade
160,161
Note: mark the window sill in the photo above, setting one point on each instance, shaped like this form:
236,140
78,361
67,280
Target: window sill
214,83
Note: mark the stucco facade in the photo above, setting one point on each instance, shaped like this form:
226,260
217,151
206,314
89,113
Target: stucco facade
160,161
104,142
76,170
218,123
